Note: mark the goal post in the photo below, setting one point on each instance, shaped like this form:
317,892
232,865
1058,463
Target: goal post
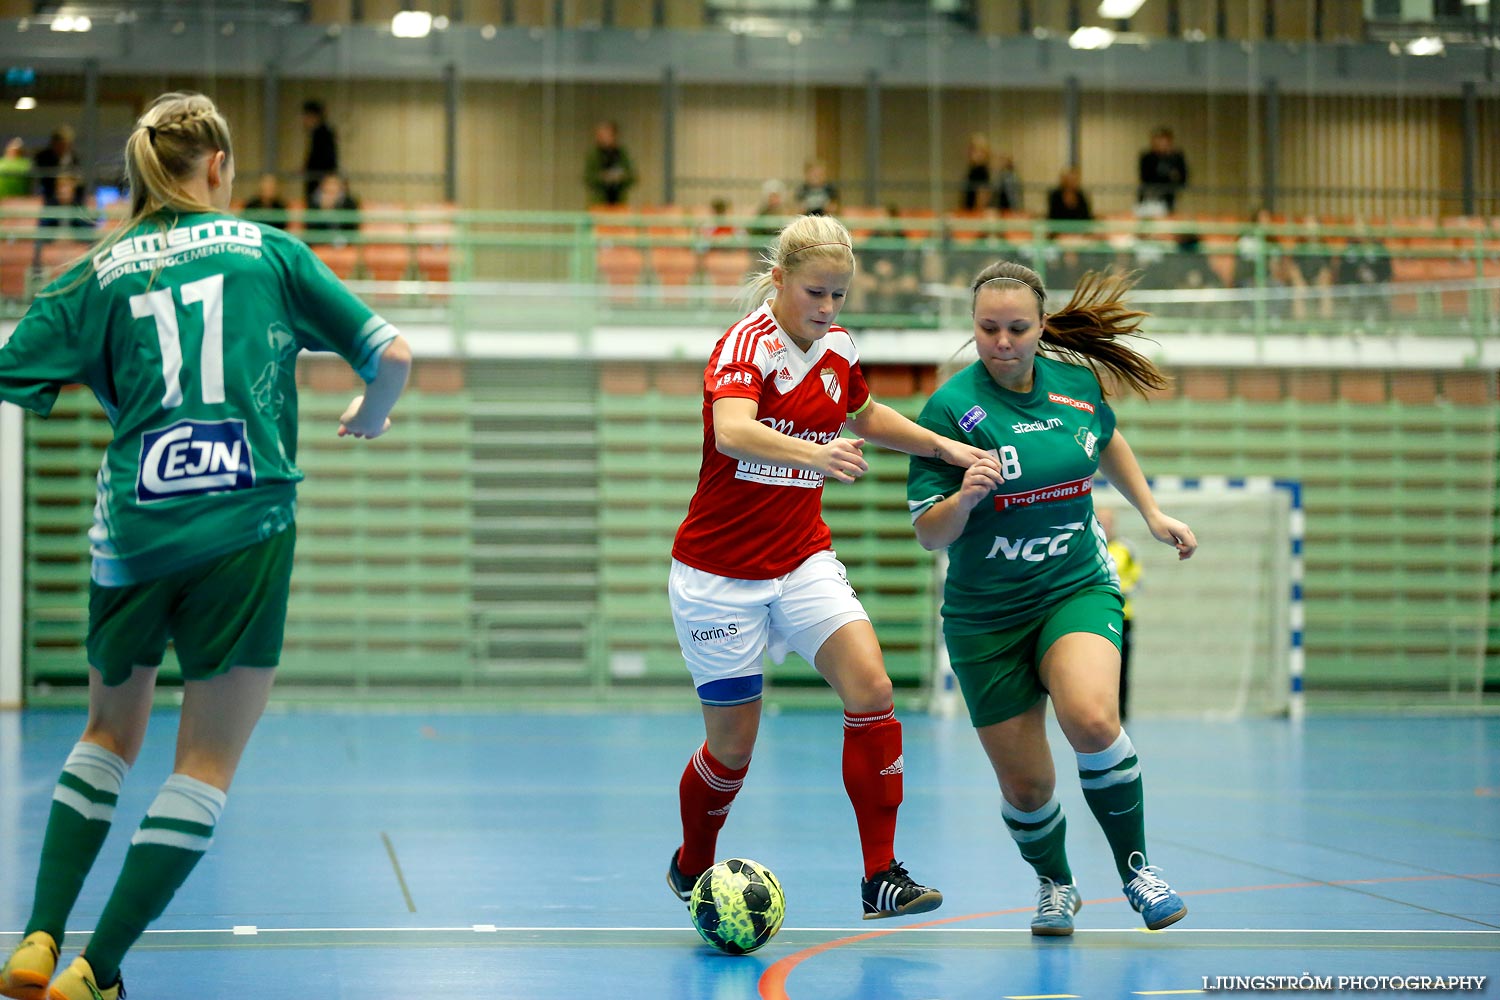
1219,635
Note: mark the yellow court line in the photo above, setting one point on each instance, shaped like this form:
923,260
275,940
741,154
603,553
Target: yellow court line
1164,993
1046,996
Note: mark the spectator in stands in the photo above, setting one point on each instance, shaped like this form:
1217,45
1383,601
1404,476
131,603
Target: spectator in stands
719,225
1031,613
608,171
322,147
57,158
817,195
1007,185
889,283
977,180
15,170
1366,262
1310,268
772,211
333,195
267,203
70,206
1163,173
1067,202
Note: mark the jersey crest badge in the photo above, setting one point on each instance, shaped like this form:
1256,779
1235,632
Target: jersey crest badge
1088,441
831,384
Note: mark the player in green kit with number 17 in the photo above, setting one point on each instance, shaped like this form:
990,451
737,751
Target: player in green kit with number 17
1031,606
186,326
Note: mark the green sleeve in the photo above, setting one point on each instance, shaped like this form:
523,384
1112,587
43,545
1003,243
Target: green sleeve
929,480
1106,421
48,350
329,317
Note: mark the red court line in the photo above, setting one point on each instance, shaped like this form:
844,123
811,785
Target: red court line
772,984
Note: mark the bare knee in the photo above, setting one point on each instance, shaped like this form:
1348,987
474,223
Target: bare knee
871,693
1028,793
1093,731
733,753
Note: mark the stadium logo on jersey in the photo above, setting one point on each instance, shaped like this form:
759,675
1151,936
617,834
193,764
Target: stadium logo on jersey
194,456
972,419
1036,549
1076,404
831,384
1087,440
1026,427
1047,494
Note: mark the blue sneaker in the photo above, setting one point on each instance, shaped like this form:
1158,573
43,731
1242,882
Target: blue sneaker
1151,897
1056,902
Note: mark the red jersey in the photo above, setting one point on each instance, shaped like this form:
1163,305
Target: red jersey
750,520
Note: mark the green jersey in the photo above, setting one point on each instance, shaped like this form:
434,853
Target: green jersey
187,331
1034,542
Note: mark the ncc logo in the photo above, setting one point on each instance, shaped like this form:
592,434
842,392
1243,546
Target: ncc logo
194,456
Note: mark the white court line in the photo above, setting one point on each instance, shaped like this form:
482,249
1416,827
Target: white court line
242,930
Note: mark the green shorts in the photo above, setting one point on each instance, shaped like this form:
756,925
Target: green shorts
998,672
220,613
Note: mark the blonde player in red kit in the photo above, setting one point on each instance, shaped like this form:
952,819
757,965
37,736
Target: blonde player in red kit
753,565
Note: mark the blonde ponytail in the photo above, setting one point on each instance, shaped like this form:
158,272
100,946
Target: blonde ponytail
807,239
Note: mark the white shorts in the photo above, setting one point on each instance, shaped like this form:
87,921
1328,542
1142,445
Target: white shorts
724,624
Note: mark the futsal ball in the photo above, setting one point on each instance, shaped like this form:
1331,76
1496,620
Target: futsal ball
737,906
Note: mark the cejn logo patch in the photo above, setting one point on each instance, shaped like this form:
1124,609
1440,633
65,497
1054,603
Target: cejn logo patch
192,457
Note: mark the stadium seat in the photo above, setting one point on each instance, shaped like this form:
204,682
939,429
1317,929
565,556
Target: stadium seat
15,261
621,268
674,266
341,260
726,267
386,261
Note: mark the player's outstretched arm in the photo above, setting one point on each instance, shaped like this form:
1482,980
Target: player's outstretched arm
368,416
889,429
1119,465
738,434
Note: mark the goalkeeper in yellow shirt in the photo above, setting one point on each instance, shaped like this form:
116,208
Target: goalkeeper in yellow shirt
1129,569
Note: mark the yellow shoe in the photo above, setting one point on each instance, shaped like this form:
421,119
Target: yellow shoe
29,968
77,983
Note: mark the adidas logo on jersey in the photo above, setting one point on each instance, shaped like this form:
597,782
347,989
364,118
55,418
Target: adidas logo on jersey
897,766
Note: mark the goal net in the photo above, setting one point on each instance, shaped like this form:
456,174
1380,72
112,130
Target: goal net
1219,635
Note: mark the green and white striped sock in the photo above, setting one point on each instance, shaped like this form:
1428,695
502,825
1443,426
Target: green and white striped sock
1040,835
1111,781
177,830
83,807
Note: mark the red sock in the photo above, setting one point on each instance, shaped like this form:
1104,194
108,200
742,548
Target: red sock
706,791
872,777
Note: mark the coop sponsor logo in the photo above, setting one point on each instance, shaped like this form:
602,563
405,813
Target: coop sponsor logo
1046,494
1027,427
1077,404
972,419
149,250
194,456
1036,549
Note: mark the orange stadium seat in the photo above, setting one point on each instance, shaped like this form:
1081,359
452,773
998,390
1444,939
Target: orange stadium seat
608,220
19,213
621,268
726,267
675,266
435,263
386,261
58,254
341,260
853,215
15,260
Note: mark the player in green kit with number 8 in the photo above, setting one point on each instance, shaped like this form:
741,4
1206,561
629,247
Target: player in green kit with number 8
186,325
1031,605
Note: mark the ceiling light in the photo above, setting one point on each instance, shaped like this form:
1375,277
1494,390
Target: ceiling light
25,103
1119,8
1091,38
1427,45
411,24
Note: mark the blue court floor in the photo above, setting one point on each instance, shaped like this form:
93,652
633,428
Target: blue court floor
522,855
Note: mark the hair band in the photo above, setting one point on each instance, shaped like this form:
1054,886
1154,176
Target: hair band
835,243
1005,277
